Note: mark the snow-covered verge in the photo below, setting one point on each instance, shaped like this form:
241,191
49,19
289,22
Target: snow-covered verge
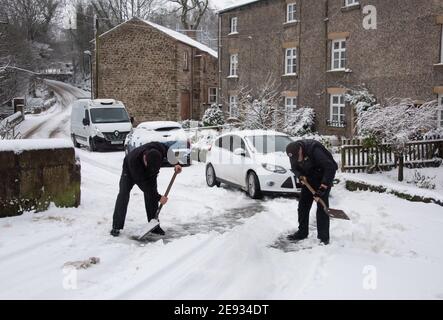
219,245
389,180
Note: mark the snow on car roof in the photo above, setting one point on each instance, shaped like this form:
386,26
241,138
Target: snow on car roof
247,133
154,125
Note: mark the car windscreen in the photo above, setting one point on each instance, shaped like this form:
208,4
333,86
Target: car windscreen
109,115
269,143
163,129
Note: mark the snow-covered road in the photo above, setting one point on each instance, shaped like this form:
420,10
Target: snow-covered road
220,245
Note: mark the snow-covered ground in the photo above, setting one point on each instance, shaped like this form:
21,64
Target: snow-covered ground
219,245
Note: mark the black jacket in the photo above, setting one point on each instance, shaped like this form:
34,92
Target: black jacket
318,163
143,176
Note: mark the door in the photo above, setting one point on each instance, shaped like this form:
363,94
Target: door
185,105
238,165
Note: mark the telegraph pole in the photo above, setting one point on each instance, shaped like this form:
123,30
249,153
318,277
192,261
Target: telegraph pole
97,56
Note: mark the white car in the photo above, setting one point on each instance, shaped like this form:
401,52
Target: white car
170,133
254,161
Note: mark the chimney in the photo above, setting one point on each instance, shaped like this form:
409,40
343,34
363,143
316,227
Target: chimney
191,33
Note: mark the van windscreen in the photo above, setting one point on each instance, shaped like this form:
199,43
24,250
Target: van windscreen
109,115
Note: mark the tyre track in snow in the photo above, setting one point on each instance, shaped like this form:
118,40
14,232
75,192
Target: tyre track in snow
56,124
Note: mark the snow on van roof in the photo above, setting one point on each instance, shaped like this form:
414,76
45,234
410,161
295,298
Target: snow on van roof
153,125
20,145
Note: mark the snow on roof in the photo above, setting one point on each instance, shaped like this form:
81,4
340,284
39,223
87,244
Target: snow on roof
247,133
154,125
174,34
237,4
20,145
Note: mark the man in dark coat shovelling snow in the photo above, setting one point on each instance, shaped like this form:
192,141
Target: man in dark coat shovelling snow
310,159
141,167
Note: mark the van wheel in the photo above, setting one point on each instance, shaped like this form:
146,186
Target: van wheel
92,146
74,141
253,186
211,178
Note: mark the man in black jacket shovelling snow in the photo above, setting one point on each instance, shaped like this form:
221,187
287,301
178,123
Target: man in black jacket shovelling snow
141,167
310,159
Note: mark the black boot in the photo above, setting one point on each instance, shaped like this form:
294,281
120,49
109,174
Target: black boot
324,242
158,230
115,232
297,236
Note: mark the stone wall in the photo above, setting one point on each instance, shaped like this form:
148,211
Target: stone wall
32,179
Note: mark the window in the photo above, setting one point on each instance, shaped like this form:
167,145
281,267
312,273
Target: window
290,107
291,61
185,61
234,25
233,107
212,95
349,3
291,11
233,65
337,111
339,54
440,110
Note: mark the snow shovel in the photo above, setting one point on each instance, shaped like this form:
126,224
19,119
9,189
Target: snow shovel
332,213
155,222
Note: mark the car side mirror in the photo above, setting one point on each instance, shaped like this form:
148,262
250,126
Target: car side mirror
240,152
86,122
132,120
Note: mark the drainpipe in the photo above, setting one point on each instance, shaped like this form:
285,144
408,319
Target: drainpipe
219,60
299,52
192,83
326,102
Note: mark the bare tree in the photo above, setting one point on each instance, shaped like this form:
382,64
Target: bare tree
191,12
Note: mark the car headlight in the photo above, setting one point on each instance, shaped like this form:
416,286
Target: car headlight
98,133
274,168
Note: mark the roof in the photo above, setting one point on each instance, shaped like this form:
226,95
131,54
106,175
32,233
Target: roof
154,125
173,34
247,133
238,4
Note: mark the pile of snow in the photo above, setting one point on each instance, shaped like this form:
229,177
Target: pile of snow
20,145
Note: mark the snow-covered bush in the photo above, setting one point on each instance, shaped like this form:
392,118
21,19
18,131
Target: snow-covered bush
262,110
213,116
422,181
396,123
301,122
361,99
187,124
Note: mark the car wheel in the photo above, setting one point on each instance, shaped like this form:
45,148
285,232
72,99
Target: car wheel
74,141
253,186
211,178
92,146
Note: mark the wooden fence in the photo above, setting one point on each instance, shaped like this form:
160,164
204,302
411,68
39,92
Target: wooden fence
355,157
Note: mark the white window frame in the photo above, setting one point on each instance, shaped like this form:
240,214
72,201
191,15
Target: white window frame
350,3
233,65
440,111
233,107
290,61
291,12
342,54
233,25
341,109
290,107
212,97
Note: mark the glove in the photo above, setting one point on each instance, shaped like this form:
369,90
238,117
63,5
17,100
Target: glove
321,192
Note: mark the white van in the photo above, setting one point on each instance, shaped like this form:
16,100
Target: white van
99,124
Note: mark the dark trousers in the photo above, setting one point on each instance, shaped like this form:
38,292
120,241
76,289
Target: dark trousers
304,206
121,205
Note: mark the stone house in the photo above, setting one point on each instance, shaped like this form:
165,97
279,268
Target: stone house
316,50
158,73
